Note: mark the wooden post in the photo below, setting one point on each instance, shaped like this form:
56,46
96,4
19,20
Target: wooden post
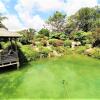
0,56
18,64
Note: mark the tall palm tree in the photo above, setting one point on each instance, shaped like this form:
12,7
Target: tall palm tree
1,19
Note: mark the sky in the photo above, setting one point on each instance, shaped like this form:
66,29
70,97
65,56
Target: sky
23,14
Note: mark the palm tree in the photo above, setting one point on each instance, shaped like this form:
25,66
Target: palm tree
1,24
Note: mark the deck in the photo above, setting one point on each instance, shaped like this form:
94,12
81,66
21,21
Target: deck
7,59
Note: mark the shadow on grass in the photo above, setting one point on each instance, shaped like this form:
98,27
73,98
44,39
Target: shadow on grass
8,68
23,63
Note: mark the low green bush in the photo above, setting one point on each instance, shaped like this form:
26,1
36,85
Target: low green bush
67,43
43,42
96,53
4,45
29,52
80,49
59,49
44,52
56,42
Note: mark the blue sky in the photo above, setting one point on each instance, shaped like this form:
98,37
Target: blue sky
33,13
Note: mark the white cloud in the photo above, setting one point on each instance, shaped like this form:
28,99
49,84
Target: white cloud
73,6
12,23
27,9
25,12
41,5
2,8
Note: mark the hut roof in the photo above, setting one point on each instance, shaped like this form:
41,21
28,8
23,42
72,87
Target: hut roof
5,33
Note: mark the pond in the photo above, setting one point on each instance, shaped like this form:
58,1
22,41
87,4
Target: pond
71,76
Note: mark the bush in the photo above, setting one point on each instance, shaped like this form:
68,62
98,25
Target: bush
4,45
44,43
44,32
56,42
59,49
80,49
96,53
29,53
93,52
44,52
67,43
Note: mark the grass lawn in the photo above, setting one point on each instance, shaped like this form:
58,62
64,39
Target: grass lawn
72,76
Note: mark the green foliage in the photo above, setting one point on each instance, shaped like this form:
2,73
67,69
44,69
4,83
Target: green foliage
57,21
4,45
29,53
86,19
67,43
80,49
44,52
96,37
56,42
43,43
58,35
96,53
44,32
83,37
27,36
59,49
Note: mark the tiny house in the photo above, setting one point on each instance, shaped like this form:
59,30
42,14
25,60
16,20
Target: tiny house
9,55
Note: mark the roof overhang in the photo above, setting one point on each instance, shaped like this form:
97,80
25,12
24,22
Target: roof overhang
8,34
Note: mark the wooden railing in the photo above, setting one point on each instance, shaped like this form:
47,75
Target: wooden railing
8,56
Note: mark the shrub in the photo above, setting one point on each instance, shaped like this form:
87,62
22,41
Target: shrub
80,49
44,32
44,43
96,53
59,49
67,43
93,52
29,53
56,42
44,52
4,45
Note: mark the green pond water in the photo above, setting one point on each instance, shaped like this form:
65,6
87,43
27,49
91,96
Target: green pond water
72,76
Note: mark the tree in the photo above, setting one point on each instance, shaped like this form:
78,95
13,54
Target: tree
97,17
1,19
44,32
86,19
28,36
57,22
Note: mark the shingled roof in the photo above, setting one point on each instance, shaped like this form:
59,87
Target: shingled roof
5,33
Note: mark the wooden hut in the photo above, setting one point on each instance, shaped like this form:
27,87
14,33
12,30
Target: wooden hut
9,56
